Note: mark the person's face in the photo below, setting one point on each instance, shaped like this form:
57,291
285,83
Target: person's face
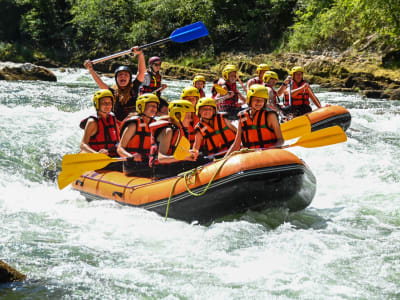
123,78
298,76
206,112
150,109
105,105
192,99
199,84
257,103
232,77
272,82
156,66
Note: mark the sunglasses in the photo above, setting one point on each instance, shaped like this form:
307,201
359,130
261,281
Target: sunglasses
157,65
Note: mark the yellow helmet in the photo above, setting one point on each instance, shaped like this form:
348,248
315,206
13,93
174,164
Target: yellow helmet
262,67
143,99
268,75
228,69
179,106
296,69
206,101
190,91
101,94
257,90
198,78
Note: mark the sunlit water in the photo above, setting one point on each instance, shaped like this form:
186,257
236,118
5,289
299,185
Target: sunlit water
346,245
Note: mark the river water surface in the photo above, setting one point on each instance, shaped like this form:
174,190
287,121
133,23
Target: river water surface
345,245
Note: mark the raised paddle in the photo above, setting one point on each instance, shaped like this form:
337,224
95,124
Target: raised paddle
180,35
220,90
295,128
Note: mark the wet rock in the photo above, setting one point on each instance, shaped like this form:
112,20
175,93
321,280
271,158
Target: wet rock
26,71
9,274
395,95
375,94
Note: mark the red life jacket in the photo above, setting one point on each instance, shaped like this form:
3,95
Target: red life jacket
202,93
231,102
217,138
107,135
156,128
141,141
255,132
299,99
155,83
254,80
274,100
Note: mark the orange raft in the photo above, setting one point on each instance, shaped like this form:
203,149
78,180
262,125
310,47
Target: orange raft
253,180
329,116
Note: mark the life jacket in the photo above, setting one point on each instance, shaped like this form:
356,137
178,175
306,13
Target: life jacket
202,93
275,99
231,102
141,141
107,135
255,80
299,99
255,132
191,129
217,138
155,83
156,128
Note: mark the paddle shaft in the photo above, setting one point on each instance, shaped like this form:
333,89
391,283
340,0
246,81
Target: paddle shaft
241,83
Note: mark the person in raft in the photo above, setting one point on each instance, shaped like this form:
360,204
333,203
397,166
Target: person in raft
192,95
136,136
301,93
270,80
152,80
214,133
229,103
261,69
199,82
166,136
125,90
258,124
101,134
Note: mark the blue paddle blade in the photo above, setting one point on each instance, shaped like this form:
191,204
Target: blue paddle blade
189,32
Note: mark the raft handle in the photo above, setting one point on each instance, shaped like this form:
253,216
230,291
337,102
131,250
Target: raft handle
119,194
79,182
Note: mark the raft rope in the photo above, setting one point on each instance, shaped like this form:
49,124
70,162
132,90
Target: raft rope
193,172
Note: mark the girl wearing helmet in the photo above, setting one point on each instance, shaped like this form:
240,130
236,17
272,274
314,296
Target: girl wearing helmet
192,95
125,91
270,80
101,134
136,136
199,82
152,78
258,125
301,93
261,69
214,133
229,103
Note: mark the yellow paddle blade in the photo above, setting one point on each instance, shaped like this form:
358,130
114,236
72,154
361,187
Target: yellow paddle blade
323,137
65,178
296,127
220,90
182,149
85,161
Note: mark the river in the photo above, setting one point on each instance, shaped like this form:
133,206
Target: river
345,245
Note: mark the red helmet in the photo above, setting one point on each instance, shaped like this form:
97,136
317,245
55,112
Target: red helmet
154,59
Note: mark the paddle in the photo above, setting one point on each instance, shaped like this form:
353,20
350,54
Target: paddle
180,35
295,128
220,90
241,83
182,149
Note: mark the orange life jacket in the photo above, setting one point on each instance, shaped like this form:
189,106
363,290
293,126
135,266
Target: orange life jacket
107,135
255,131
141,141
301,98
156,128
217,138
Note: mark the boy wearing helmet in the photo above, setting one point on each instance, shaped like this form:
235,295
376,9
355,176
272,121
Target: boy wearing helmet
229,103
125,91
199,82
214,133
261,69
301,93
258,125
101,133
136,136
192,95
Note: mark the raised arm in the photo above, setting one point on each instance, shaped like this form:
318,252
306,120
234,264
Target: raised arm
141,63
89,65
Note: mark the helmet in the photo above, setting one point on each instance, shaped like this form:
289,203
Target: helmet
120,69
143,99
190,91
257,90
296,69
101,94
179,106
268,75
228,69
198,78
206,101
262,67
153,60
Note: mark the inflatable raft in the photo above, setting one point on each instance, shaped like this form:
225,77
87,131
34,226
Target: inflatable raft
329,116
253,180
